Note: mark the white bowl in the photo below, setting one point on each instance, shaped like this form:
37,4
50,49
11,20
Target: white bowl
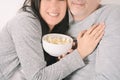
57,44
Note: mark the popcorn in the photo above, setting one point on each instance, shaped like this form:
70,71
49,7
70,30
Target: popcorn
57,40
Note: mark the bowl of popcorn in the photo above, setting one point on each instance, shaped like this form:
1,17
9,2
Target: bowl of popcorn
57,44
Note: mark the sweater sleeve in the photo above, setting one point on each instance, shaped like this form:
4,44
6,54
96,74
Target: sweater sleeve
26,33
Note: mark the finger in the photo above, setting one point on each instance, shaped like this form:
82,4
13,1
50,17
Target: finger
100,37
59,58
73,44
97,29
99,33
62,56
91,28
70,51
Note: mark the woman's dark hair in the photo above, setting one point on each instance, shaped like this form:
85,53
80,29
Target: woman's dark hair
61,27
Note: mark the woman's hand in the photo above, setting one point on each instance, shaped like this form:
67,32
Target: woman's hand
87,40
62,56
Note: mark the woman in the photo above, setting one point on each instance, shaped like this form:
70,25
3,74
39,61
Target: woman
21,53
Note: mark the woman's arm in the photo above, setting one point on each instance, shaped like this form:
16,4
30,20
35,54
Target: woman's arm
26,34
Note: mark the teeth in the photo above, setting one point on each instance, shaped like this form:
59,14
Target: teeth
53,14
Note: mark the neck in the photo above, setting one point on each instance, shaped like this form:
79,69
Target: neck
51,27
78,18
82,17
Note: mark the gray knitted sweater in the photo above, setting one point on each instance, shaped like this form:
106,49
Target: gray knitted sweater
21,53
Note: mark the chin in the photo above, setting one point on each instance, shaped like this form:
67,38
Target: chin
53,22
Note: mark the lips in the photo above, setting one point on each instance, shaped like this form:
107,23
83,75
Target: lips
53,14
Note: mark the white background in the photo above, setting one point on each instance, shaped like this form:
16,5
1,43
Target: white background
8,8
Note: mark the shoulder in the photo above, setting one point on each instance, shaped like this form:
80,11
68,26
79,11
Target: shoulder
112,11
109,12
23,17
111,15
112,6
109,8
24,21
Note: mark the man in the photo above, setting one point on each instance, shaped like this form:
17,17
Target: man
104,62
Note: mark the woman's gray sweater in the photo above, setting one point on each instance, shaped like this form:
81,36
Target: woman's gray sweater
21,52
